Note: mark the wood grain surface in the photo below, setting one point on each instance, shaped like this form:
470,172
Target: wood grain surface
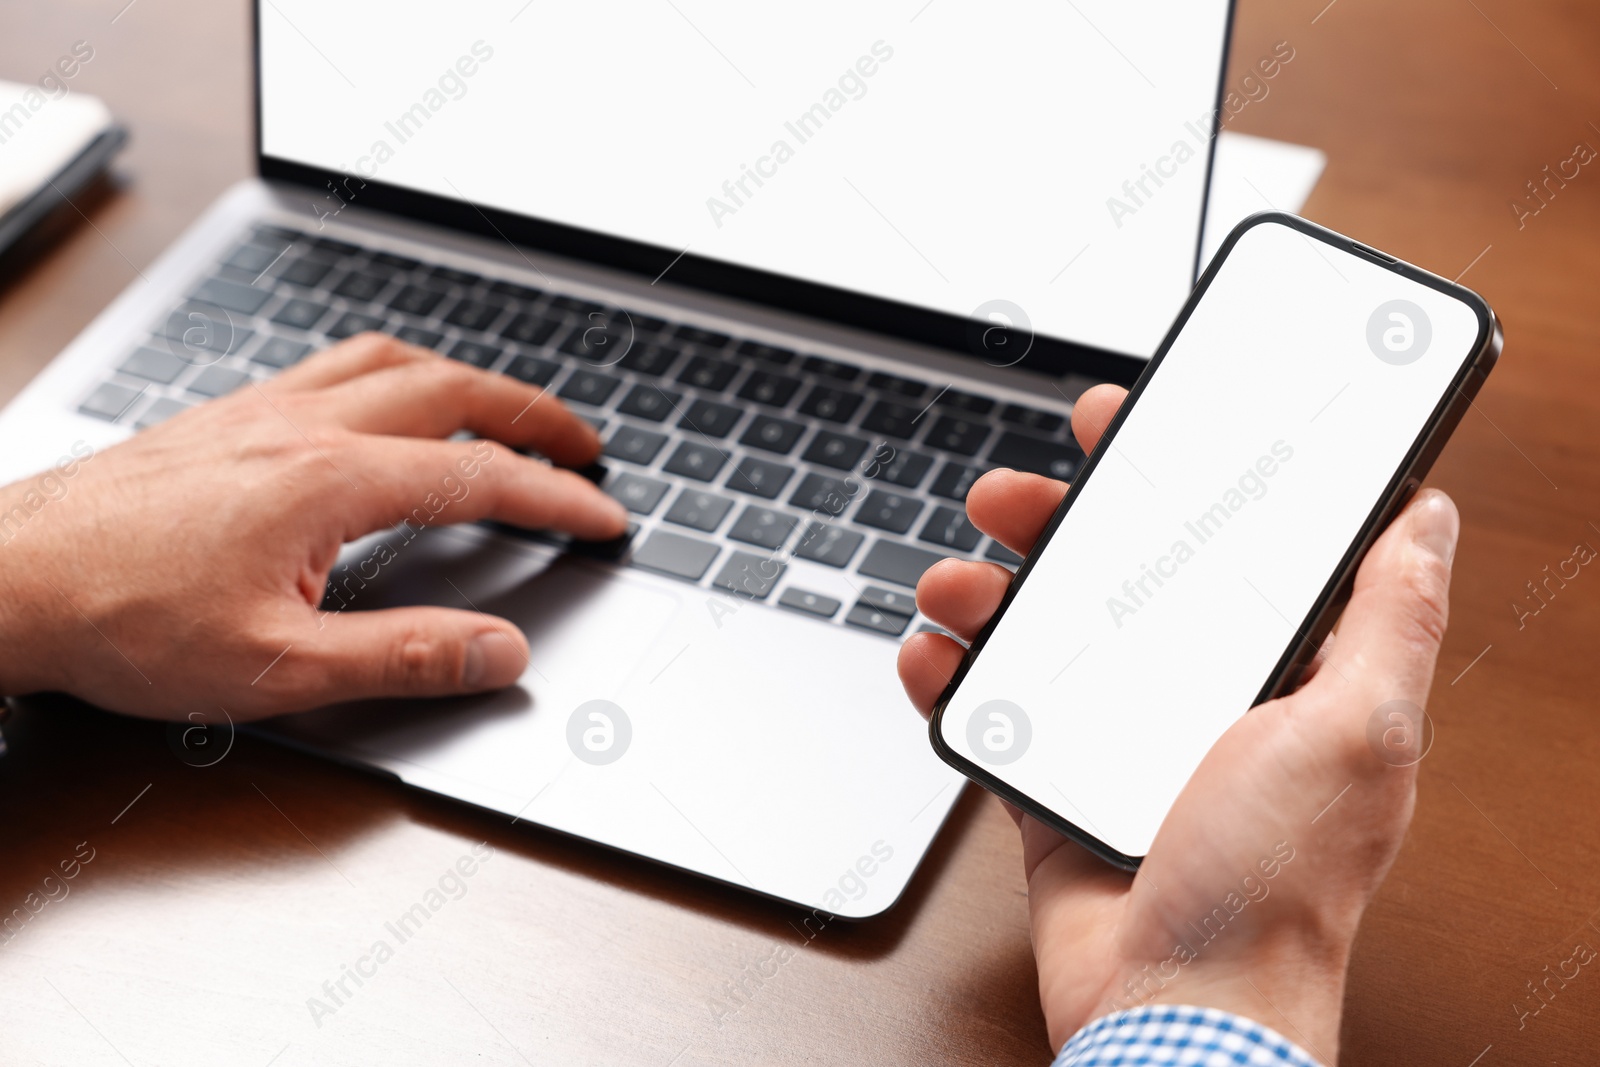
217,900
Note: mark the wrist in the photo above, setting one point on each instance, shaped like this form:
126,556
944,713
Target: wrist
23,666
1293,984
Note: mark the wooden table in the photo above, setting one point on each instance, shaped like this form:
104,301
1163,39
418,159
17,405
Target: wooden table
219,899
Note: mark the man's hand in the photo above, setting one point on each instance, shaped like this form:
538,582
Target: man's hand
1296,777
182,570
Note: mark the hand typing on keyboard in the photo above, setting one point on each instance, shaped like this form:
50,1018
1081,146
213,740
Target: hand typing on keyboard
1249,898
183,570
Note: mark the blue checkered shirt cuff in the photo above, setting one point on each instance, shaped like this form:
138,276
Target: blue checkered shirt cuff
1170,1036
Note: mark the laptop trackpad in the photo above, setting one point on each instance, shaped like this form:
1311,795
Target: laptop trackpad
750,744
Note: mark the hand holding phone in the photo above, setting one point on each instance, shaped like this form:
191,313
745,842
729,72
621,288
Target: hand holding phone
1211,538
1250,895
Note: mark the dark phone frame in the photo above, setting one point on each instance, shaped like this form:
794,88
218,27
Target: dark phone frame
937,329
1330,602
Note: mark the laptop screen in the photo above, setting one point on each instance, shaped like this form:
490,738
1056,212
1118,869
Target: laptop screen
1032,163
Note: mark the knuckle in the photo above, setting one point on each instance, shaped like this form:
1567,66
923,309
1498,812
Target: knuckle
420,662
1426,586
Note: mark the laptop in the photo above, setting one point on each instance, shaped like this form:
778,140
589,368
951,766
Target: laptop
810,270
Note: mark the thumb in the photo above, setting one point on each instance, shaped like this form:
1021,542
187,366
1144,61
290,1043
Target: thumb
1390,634
410,652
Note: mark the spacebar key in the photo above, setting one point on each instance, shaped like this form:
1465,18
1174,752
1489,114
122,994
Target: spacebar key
897,563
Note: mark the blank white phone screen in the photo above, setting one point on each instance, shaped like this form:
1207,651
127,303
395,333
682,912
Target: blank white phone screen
1201,541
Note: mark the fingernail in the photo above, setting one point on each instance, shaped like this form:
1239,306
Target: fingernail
1435,525
493,662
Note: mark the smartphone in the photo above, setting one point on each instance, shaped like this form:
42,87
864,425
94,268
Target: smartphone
1211,538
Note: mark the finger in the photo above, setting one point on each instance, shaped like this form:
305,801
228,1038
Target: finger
927,663
1013,507
1391,630
1309,671
437,397
437,482
350,358
1093,413
961,596
402,652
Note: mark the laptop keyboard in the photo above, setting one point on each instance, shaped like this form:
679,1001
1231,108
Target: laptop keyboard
732,455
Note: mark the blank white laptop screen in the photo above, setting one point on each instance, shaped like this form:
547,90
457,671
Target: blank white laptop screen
945,154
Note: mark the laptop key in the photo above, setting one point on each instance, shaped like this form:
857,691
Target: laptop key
281,352
887,623
155,364
533,370
961,436
891,419
712,375
589,387
416,335
530,329
835,450
831,368
361,285
889,601
644,358
163,409
648,402
599,342
710,418
674,554
762,527
825,543
772,435
834,405
394,262
892,383
635,445
245,299
202,328
416,300
823,607
253,258
217,381
353,322
769,388
450,274
703,338
758,477
695,460
770,353
1054,459
1001,554
954,480
524,293
474,314
337,247
824,494
301,314
637,493
748,574
889,511
699,510
905,469
110,401
897,563
306,272
949,528
1032,418
576,304
971,403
